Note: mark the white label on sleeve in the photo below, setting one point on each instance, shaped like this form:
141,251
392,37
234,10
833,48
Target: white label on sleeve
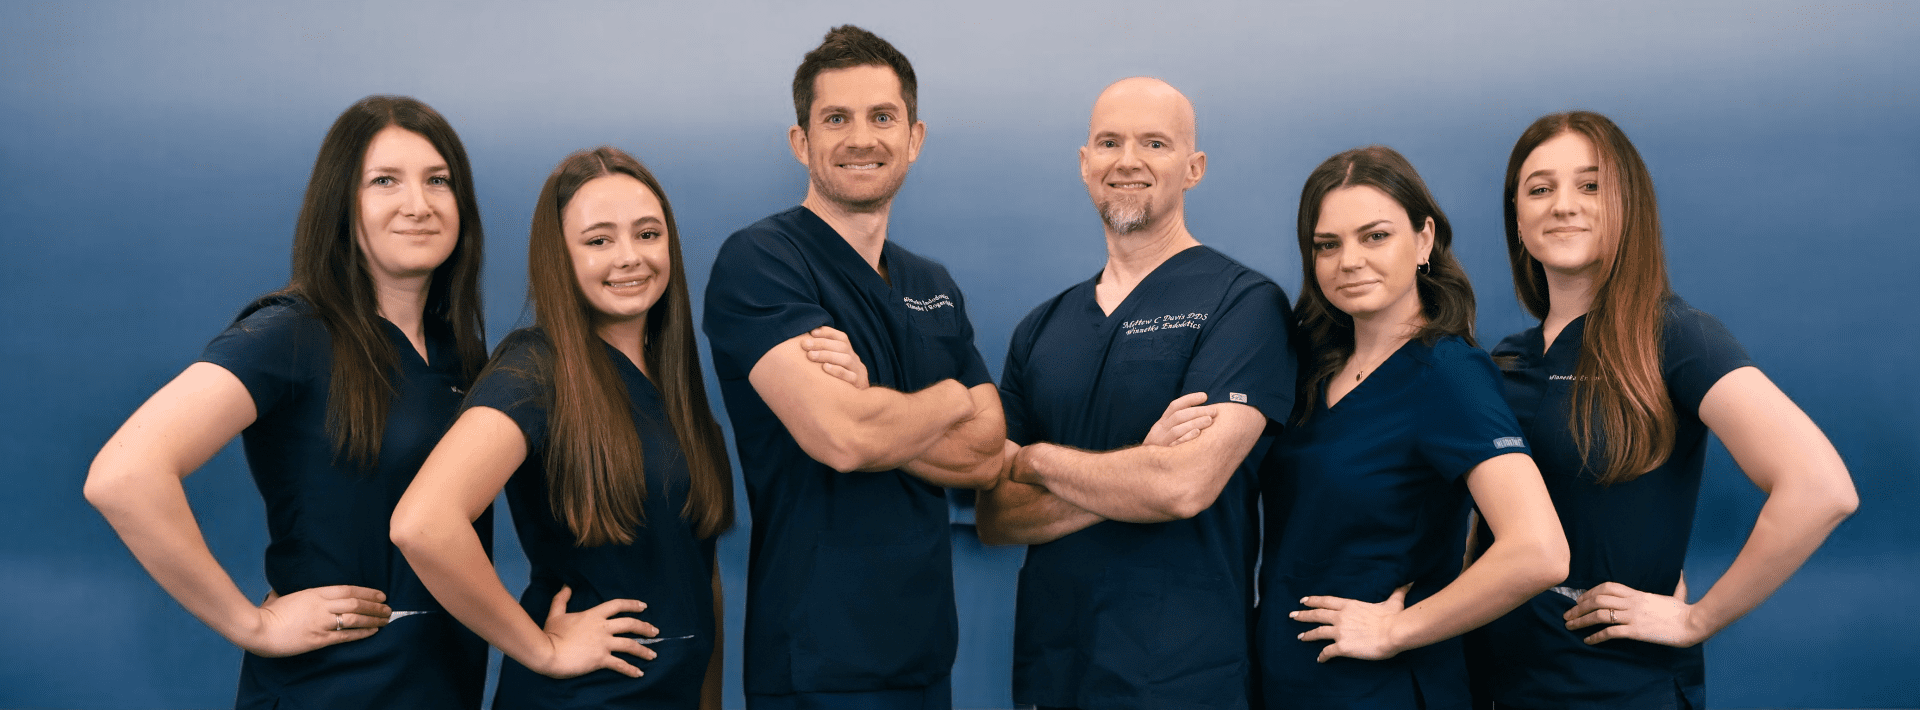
1237,397
1509,442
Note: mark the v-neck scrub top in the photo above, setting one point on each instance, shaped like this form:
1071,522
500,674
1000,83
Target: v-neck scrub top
327,519
1634,533
667,565
1154,615
1369,495
850,575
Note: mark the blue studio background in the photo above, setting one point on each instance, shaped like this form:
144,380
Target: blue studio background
152,158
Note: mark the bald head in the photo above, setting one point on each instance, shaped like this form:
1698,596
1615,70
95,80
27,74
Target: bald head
1146,98
1140,158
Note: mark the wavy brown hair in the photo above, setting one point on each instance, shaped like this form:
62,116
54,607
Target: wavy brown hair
1619,396
594,456
1446,296
330,273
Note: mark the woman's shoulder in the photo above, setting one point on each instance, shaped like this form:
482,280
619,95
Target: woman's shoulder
1456,363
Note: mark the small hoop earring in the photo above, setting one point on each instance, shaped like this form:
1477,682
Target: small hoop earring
1425,268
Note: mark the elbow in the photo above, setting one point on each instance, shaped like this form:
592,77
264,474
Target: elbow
1182,497
108,486
410,529
1548,561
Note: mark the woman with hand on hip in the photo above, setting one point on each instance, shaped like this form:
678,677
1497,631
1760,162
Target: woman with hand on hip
1366,494
339,386
595,422
1617,389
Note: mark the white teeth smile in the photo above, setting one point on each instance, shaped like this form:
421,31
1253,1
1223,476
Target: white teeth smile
860,166
626,284
1125,185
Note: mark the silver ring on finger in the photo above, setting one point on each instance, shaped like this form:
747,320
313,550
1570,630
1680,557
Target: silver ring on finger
1612,618
337,625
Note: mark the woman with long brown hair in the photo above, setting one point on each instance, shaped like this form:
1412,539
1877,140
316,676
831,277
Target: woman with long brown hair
595,422
1618,387
1366,492
339,385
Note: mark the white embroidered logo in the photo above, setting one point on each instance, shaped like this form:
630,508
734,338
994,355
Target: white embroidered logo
929,304
1237,397
1171,320
1509,442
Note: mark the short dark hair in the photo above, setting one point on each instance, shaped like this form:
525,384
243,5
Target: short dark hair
1446,297
849,46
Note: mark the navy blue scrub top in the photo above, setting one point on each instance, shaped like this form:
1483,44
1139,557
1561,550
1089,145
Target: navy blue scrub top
327,520
667,565
850,575
1634,533
1370,495
1130,615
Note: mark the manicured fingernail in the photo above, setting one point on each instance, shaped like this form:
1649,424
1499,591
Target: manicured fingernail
1293,615
1303,600
1300,637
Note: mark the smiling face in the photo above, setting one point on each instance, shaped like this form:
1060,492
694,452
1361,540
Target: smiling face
857,144
616,234
1557,206
1365,254
1139,159
408,220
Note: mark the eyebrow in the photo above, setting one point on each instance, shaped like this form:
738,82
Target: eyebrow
392,170
649,219
882,106
1361,228
1549,171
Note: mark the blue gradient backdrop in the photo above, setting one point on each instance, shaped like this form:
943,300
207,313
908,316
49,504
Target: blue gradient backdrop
153,157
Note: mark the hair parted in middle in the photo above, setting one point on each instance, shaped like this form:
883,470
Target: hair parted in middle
594,456
330,272
1618,392
1446,296
849,46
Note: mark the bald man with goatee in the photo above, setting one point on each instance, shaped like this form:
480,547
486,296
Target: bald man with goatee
1136,404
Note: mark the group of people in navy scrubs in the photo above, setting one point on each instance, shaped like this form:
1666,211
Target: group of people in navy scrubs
1230,500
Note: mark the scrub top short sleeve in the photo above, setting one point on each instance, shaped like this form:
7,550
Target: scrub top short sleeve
514,386
666,565
1632,532
770,297
850,576
270,350
327,517
1467,420
1145,615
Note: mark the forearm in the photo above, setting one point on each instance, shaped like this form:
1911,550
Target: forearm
1014,513
446,553
1507,575
1142,484
1792,525
151,515
969,455
878,429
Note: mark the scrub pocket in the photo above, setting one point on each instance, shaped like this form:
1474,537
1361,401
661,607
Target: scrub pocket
874,616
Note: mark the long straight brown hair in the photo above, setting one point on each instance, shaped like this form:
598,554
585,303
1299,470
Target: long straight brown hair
1446,296
1619,396
594,457
330,272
